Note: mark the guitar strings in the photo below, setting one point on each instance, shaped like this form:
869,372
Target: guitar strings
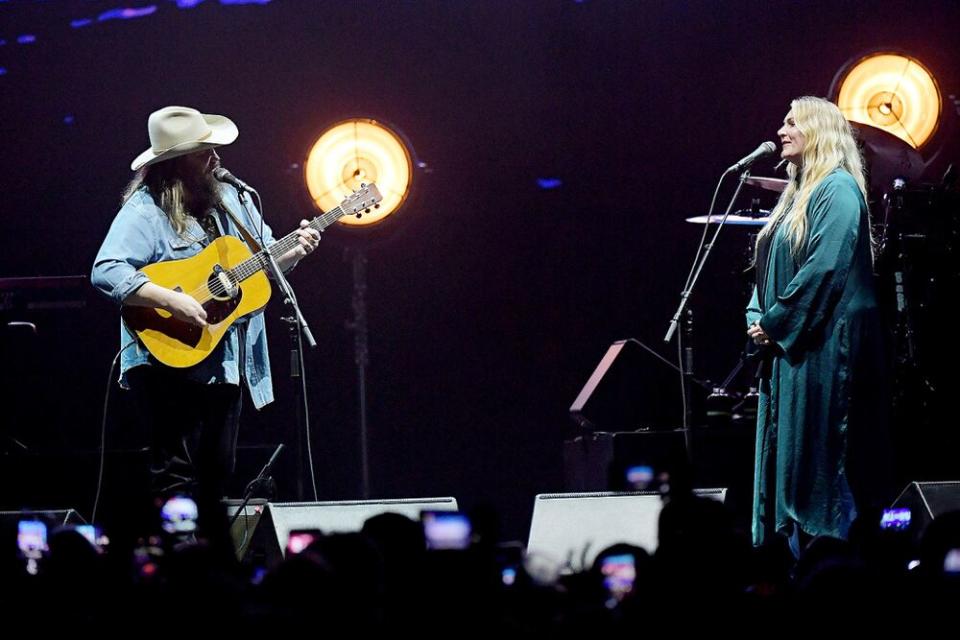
205,293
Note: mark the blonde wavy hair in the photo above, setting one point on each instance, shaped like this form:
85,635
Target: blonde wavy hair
829,144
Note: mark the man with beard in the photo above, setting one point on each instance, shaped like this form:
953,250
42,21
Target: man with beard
171,210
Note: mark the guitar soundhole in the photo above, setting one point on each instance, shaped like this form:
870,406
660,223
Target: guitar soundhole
222,285
226,293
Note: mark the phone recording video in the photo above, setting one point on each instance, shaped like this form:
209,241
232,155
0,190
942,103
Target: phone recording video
31,538
619,572
94,536
639,477
300,539
179,515
31,543
951,562
446,529
510,561
895,519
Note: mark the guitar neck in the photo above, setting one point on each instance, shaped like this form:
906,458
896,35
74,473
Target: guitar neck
259,261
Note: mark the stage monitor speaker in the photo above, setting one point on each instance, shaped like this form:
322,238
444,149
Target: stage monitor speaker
927,501
278,519
632,388
243,528
723,457
571,529
51,517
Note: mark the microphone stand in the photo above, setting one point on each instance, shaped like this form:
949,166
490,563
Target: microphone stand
299,327
255,484
686,362
289,298
361,357
698,267
293,330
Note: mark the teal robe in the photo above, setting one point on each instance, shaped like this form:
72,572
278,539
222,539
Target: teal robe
821,434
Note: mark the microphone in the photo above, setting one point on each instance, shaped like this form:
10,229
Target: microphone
223,175
746,161
273,458
261,479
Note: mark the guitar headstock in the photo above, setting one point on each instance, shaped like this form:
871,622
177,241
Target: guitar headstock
362,200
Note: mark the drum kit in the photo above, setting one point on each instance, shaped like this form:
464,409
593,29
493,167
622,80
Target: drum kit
724,405
753,217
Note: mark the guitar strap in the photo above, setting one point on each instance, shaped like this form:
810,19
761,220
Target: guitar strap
246,235
255,248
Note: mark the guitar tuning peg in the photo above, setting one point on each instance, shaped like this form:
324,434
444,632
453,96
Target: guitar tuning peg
376,206
366,210
363,185
359,215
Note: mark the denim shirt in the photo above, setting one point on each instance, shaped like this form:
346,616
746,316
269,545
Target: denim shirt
141,234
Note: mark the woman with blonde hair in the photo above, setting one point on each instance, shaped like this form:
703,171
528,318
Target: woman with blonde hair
821,437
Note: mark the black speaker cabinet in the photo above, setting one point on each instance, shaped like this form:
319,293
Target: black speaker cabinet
243,528
722,457
928,500
633,387
261,534
571,529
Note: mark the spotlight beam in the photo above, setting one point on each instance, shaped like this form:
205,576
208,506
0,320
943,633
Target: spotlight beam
890,91
358,151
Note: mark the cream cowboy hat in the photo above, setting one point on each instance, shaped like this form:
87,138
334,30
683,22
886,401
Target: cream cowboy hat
177,131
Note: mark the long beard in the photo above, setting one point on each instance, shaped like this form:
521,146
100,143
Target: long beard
202,193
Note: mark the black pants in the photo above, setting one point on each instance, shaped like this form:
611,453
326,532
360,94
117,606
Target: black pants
192,428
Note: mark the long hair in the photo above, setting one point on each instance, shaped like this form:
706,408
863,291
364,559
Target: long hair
829,144
165,182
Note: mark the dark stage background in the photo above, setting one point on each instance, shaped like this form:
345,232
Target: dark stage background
493,298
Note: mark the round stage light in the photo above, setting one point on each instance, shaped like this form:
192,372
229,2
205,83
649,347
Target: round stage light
892,92
354,152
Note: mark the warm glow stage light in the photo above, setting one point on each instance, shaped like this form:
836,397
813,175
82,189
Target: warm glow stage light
890,91
354,152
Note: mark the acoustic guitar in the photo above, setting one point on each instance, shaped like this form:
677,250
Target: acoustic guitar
228,280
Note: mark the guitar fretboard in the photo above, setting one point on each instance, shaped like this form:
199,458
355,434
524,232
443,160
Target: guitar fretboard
258,261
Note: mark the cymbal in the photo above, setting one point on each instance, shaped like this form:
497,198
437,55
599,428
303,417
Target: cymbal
744,217
771,184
